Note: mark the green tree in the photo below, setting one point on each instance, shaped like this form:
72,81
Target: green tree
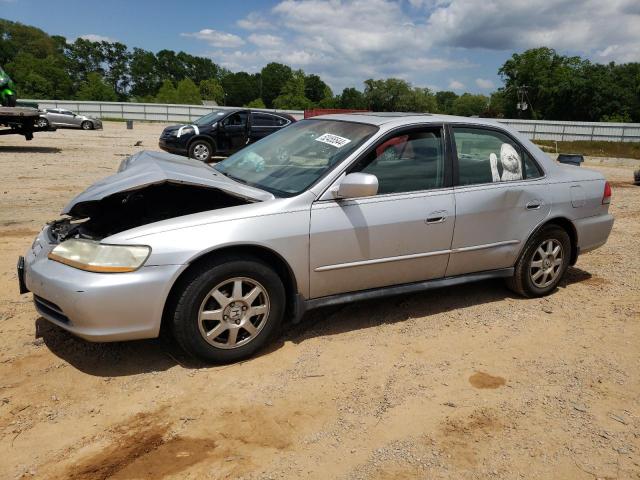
445,101
353,98
211,89
273,77
240,88
292,94
257,103
167,93
143,72
95,88
188,93
468,105
116,59
40,78
315,89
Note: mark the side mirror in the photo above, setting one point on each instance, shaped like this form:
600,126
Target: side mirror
356,185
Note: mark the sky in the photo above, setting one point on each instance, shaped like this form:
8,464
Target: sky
454,45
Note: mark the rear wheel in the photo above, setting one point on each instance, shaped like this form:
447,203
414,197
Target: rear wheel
228,311
42,122
201,150
86,125
543,263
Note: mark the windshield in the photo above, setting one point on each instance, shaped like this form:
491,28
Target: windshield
211,118
290,161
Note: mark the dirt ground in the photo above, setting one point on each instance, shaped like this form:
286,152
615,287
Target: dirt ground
469,382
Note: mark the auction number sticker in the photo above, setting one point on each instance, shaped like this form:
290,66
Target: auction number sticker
333,140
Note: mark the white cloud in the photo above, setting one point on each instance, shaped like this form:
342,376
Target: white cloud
424,41
584,26
94,37
485,84
216,38
254,21
265,40
456,85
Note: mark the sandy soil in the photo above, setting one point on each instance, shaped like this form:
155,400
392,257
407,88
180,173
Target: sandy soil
471,382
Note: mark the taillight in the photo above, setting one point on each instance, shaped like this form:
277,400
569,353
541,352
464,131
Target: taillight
606,196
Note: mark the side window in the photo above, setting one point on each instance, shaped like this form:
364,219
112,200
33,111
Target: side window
486,156
66,112
261,120
407,162
531,168
279,121
237,119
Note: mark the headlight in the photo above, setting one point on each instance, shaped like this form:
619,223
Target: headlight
97,257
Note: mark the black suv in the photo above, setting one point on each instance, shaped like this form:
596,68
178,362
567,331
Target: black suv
221,132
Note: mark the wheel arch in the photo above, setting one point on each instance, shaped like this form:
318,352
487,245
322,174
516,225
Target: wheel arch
206,138
568,226
265,254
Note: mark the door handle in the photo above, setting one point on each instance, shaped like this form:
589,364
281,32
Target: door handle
436,217
534,204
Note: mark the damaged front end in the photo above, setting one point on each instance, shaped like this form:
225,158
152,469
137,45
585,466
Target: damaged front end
149,187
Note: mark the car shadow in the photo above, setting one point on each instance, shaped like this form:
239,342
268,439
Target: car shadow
28,149
144,356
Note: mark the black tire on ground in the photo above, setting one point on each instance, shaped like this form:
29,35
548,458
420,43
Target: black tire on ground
202,150
9,101
42,122
195,293
523,281
86,125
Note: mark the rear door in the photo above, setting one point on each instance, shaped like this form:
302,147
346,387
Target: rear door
263,124
402,234
501,195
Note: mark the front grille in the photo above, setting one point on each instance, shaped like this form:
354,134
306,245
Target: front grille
45,307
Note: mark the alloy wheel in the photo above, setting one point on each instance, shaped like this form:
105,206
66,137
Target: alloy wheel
201,152
233,313
546,263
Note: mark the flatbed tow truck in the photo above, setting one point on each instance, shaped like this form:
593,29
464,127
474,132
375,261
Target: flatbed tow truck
21,121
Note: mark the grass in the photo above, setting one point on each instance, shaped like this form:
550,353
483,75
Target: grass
593,149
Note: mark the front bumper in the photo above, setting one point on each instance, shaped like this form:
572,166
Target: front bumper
172,146
96,306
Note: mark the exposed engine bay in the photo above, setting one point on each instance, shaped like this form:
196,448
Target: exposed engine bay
121,211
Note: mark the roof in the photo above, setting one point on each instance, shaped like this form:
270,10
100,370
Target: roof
400,118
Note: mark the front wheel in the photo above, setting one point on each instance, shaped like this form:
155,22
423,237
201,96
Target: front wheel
543,263
86,125
201,150
228,311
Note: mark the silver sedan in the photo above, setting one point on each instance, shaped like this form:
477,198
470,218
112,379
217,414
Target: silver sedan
59,117
329,210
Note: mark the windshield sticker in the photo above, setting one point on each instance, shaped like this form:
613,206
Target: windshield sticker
333,140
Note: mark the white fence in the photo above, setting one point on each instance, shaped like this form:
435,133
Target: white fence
534,129
160,112
570,131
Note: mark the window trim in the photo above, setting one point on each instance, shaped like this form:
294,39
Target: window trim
491,128
270,115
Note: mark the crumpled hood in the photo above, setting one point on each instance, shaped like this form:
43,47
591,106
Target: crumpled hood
151,168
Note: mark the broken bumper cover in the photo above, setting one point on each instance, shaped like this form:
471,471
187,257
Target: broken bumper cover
101,307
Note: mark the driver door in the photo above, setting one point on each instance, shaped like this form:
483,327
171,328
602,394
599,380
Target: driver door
401,235
236,130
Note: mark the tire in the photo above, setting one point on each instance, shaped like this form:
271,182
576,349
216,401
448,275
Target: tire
42,123
209,305
9,100
539,269
86,125
201,150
